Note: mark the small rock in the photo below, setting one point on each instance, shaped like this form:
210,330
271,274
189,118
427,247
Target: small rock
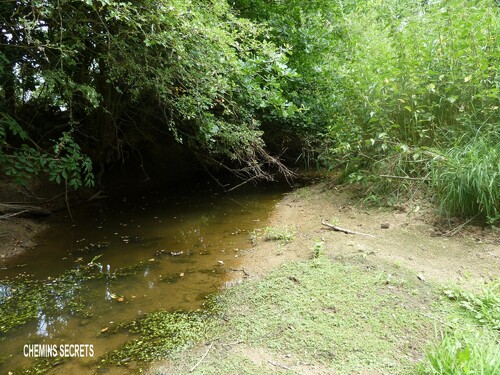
385,225
421,277
175,254
181,274
220,262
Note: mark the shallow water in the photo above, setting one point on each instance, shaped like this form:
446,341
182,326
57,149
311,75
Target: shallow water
205,231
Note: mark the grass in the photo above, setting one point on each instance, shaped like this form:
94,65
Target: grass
469,349
483,306
283,234
471,352
319,314
467,179
464,179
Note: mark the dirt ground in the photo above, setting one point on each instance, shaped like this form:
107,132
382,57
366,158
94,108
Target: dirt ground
16,233
16,236
404,236
402,239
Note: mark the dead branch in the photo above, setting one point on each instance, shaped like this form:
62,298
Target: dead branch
97,196
347,231
202,358
8,216
454,231
241,270
17,209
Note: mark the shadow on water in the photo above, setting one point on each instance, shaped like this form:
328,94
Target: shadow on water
120,259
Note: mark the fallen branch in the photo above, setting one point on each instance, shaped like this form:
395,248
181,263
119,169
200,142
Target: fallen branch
241,270
202,358
347,231
97,196
454,231
24,208
8,216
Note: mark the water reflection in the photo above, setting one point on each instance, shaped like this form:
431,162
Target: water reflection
143,254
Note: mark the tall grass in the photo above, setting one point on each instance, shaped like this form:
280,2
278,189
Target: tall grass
418,76
470,350
467,178
460,353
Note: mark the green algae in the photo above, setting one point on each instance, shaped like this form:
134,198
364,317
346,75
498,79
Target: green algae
23,299
159,334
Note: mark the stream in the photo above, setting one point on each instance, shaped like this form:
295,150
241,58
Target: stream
170,250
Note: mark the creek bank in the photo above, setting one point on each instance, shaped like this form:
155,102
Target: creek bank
17,233
404,236
326,302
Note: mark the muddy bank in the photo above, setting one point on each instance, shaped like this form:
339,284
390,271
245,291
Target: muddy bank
404,236
17,233
17,236
310,300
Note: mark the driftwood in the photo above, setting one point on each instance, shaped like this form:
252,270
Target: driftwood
347,231
18,209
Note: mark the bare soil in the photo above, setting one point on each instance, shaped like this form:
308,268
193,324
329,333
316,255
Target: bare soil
405,239
404,236
16,233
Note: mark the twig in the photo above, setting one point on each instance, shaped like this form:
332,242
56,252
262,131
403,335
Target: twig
406,178
66,199
241,270
243,183
202,358
8,216
282,366
457,229
347,231
96,196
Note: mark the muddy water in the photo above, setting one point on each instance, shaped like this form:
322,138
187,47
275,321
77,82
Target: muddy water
185,246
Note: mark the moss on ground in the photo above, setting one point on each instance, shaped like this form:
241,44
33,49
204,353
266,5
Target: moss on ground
160,334
321,316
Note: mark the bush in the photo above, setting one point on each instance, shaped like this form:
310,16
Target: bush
467,178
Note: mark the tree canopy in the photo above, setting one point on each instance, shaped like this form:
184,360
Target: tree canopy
367,87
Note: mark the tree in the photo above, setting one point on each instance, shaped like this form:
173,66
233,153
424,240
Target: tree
100,76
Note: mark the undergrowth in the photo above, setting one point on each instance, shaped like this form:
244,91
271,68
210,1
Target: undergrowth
467,179
469,349
463,353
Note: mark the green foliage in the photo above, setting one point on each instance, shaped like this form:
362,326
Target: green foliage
419,76
65,163
161,333
462,354
467,177
313,31
319,248
124,72
469,349
282,234
484,307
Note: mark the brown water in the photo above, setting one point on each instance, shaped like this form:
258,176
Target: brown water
204,227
